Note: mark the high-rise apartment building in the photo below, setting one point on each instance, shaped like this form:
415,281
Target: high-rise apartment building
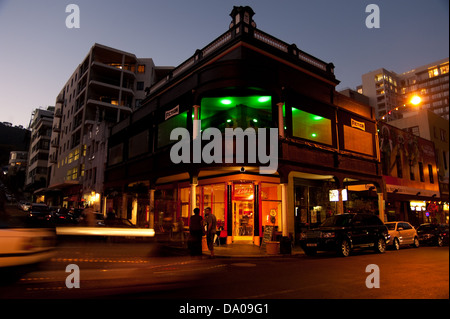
103,90
388,90
41,131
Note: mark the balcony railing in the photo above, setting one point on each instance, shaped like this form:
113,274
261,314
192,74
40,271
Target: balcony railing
256,34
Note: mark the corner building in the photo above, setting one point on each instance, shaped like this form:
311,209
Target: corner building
249,79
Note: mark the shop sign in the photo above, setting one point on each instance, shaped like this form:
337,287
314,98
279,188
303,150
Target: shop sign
243,191
172,112
334,195
358,125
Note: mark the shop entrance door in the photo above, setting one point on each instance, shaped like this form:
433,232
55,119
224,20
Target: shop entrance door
243,220
243,212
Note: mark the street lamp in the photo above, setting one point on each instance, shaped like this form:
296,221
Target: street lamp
415,100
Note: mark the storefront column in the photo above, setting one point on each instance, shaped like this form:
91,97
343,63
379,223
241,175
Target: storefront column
193,198
195,128
284,204
381,207
134,208
340,208
123,211
280,119
151,218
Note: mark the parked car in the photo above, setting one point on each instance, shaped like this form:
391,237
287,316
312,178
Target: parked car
39,213
63,216
433,234
402,233
344,232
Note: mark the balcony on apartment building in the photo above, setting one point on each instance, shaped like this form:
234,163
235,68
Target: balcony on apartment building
53,158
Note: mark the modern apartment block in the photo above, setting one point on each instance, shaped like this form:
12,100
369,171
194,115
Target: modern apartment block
41,131
103,90
388,90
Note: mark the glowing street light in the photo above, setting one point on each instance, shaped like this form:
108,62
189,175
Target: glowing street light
415,100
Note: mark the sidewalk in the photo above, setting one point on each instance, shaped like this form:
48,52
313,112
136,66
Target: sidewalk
243,250
246,250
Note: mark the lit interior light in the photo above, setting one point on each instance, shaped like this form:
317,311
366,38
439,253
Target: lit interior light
317,117
229,121
255,120
263,99
225,101
314,135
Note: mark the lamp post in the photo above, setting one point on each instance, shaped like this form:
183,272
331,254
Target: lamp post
415,100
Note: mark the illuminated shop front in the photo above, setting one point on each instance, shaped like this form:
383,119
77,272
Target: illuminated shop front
242,203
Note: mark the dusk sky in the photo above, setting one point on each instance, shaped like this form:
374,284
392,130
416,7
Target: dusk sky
39,53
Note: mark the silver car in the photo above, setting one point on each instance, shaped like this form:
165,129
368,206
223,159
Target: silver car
402,233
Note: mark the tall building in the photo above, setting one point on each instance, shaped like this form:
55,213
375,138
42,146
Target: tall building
41,131
103,90
388,90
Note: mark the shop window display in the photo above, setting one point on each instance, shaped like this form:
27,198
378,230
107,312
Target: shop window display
270,205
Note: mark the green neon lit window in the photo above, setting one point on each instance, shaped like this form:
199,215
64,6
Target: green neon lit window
236,111
311,127
166,127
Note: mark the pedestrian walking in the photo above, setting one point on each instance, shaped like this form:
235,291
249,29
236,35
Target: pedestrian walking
195,233
211,224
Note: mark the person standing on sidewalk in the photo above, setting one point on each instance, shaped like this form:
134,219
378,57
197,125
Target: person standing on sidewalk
196,233
211,224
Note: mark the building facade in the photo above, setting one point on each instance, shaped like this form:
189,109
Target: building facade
434,128
324,146
411,177
103,90
38,154
388,90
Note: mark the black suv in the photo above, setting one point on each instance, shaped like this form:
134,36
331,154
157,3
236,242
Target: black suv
433,234
344,232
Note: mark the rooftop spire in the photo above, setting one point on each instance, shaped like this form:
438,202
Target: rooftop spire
242,14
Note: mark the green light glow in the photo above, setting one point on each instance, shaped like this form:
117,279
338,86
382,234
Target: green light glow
317,117
229,121
314,135
263,99
255,120
226,101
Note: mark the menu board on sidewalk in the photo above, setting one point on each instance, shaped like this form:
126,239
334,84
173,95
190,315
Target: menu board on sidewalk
267,236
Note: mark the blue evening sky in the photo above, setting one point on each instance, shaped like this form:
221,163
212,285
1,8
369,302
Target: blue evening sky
38,53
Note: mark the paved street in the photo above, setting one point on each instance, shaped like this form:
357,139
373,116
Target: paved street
148,270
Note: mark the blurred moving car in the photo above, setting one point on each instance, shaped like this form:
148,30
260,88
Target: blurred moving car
118,222
433,234
345,232
402,233
21,245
